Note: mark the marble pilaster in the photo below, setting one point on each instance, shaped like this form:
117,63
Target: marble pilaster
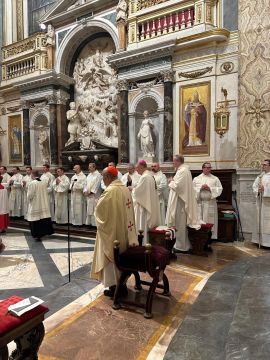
168,76
26,134
123,153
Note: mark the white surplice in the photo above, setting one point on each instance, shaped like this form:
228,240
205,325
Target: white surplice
78,202
49,178
93,187
16,196
264,227
6,177
162,189
61,199
135,177
182,207
38,201
207,209
146,204
27,179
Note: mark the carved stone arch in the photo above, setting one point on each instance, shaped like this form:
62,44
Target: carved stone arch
151,94
79,34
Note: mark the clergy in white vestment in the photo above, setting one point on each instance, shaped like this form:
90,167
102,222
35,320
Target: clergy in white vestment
261,189
131,178
92,191
162,189
49,178
26,181
119,175
146,201
38,214
115,221
4,210
182,205
16,193
207,188
6,177
61,187
78,202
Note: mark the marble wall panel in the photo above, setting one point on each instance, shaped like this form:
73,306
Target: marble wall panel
254,95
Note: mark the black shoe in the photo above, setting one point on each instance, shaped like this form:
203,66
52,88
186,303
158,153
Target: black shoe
110,292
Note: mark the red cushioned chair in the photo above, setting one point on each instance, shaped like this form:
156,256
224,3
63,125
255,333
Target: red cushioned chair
27,330
148,259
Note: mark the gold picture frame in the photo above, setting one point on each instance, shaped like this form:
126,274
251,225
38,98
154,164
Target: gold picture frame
15,139
195,119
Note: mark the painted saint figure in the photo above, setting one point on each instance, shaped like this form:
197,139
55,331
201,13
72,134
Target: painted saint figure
195,117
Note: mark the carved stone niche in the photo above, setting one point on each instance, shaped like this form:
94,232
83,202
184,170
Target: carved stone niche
146,121
40,135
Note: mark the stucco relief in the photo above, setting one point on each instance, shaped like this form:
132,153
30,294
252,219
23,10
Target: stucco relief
254,97
95,96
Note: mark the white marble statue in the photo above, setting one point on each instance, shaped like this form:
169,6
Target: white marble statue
50,35
74,125
44,145
145,135
121,10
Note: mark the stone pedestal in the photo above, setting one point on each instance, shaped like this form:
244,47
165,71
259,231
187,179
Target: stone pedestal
50,53
61,110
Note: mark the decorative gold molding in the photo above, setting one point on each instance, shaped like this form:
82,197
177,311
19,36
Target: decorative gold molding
195,73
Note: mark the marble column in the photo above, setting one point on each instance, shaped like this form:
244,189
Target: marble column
53,131
168,77
123,138
62,133
26,134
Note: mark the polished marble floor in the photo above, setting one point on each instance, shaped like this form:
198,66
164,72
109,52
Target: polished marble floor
81,324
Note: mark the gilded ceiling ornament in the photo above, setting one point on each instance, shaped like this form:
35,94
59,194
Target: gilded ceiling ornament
196,73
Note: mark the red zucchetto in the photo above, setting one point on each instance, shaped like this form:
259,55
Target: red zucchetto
112,170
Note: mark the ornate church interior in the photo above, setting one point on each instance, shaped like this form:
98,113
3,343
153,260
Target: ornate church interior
118,104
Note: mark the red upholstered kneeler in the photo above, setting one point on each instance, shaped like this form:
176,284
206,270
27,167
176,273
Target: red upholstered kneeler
200,239
165,238
27,330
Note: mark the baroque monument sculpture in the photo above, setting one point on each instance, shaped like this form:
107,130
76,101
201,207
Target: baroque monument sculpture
121,19
44,146
145,135
95,120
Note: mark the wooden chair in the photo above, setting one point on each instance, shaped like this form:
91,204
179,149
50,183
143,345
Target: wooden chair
148,259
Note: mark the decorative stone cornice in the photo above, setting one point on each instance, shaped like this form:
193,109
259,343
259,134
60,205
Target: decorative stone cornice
144,54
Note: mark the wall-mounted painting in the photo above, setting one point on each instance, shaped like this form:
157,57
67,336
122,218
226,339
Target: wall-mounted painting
15,139
195,119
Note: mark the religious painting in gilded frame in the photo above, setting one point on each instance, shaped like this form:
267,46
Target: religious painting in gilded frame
15,139
195,119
